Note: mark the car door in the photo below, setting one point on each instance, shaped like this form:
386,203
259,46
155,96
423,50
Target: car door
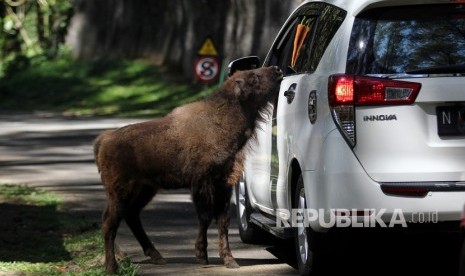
298,53
266,158
288,53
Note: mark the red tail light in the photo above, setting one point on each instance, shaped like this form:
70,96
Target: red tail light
360,90
342,88
345,92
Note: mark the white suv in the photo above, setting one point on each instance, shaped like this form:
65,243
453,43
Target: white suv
368,128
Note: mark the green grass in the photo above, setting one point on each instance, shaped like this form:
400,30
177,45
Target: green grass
101,88
38,237
28,195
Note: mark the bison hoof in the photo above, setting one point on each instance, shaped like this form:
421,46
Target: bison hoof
232,264
202,261
158,260
156,257
111,270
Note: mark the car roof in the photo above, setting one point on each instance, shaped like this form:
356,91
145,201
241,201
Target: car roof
355,7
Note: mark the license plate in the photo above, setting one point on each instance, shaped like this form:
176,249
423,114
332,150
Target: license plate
451,120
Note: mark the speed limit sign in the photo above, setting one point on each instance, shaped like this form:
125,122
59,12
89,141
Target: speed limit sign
207,69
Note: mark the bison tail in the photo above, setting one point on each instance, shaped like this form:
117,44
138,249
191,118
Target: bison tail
97,143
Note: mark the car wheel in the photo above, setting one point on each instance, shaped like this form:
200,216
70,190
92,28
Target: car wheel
248,232
305,238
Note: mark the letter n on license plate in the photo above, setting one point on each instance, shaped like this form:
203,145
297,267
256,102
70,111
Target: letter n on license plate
451,120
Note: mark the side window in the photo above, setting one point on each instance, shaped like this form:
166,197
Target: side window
304,42
329,21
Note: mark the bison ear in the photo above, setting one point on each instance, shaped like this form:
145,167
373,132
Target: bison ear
238,87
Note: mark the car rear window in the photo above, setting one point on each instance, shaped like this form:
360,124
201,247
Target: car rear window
408,38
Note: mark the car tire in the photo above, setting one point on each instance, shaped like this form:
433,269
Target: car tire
307,241
248,232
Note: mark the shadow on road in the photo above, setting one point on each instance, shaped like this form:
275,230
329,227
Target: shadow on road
382,253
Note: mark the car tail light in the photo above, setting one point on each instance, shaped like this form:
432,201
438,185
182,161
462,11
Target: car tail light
405,190
345,92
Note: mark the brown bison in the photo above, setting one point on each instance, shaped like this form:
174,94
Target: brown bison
198,145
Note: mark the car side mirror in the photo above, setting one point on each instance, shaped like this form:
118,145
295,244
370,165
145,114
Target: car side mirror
244,63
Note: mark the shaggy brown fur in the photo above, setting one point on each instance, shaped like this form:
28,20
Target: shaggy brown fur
198,145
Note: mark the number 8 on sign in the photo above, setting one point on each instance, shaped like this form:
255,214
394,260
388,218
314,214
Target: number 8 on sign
206,69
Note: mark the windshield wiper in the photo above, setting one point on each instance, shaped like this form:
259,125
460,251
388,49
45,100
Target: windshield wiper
447,69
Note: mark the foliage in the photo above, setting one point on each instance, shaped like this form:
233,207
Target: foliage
103,87
38,239
32,27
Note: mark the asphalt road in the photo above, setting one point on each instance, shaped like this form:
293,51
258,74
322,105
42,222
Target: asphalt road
55,153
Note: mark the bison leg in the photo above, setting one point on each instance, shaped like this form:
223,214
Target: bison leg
204,209
201,242
112,217
223,220
133,221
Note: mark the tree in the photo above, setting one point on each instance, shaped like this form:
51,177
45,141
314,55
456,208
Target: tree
170,32
33,27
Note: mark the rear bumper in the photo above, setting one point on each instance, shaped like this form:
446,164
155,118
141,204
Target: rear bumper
340,183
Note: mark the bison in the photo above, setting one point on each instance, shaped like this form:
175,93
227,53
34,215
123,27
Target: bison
198,146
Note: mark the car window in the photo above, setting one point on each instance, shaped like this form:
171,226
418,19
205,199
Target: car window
329,21
304,41
402,39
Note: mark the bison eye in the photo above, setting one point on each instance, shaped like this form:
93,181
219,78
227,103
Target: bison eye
254,80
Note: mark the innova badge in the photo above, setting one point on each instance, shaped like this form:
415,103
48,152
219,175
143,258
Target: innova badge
387,117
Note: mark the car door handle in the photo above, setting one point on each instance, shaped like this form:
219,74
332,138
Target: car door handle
290,93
